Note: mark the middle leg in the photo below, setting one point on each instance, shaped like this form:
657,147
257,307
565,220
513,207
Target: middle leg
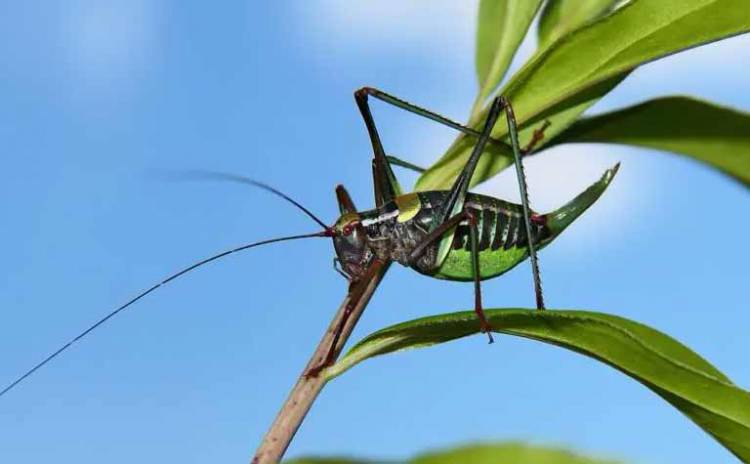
486,328
437,235
356,290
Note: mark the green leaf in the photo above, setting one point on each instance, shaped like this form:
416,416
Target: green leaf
502,25
713,134
597,57
487,453
560,17
639,32
671,370
329,460
506,453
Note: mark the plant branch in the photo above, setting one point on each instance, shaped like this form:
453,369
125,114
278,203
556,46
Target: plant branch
307,388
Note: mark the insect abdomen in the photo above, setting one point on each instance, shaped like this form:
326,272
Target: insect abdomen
502,242
498,228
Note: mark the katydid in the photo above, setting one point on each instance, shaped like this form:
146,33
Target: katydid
446,234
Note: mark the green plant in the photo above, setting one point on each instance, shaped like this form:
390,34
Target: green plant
585,51
485,453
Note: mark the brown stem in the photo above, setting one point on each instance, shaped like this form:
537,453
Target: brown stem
306,390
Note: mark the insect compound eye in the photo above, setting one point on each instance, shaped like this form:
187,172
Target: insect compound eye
349,228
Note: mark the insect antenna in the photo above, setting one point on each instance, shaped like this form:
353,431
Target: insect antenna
325,233
225,176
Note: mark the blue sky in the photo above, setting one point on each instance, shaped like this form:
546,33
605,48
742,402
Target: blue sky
101,100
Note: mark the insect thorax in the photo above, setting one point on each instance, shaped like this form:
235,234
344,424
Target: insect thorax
398,227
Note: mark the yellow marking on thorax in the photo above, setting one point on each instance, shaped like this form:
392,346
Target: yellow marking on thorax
348,217
408,206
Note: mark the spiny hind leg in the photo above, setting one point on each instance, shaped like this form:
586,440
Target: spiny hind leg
521,176
405,164
419,111
385,184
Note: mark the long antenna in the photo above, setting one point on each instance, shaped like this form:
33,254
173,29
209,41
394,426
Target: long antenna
101,321
216,175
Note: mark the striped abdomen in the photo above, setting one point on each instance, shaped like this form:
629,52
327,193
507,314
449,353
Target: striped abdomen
500,225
